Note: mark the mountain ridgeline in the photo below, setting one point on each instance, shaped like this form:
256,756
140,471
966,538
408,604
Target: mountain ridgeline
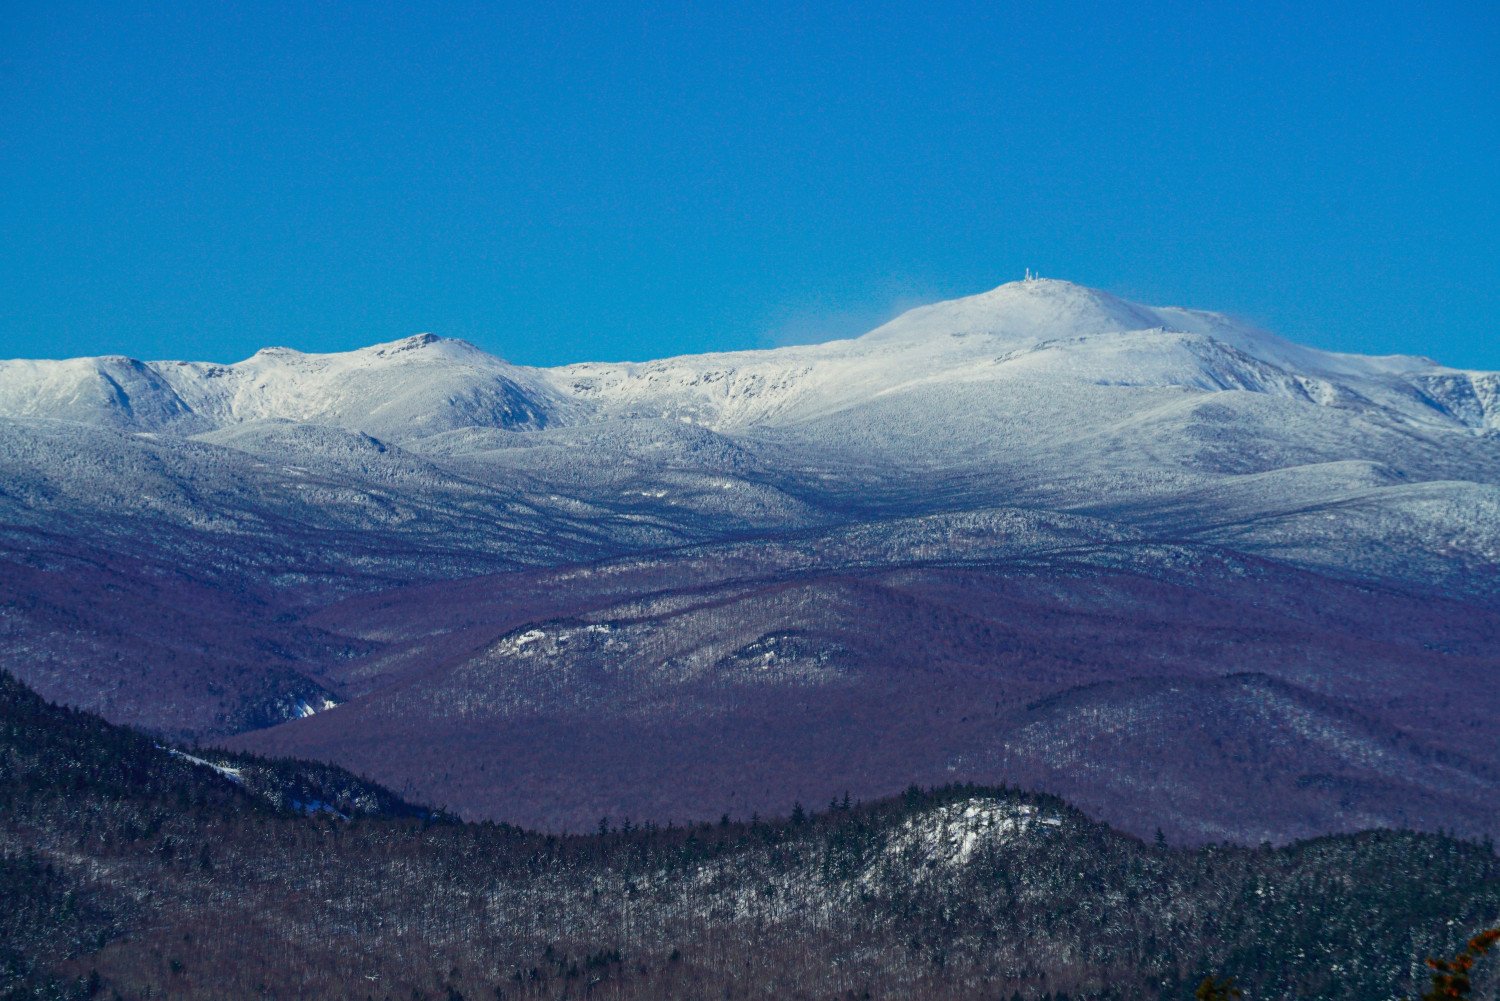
1037,329
1183,572
133,870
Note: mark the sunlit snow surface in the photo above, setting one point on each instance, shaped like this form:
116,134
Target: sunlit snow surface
1023,330
232,774
1038,394
210,549
951,835
304,708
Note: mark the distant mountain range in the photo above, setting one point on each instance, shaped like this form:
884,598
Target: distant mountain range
1010,339
1187,573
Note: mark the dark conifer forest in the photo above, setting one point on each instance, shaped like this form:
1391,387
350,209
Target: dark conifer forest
132,870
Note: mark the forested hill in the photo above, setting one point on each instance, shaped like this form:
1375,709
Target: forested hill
132,870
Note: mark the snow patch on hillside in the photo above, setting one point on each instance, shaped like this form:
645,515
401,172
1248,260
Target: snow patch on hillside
232,774
304,708
952,835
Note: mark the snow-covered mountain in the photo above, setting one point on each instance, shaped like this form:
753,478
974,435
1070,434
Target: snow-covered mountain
981,503
1024,332
420,385
1020,333
1040,393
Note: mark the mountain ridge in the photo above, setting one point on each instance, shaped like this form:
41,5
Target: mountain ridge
135,869
752,576
445,383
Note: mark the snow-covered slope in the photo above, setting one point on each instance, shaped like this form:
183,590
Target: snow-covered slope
111,391
1018,335
1039,394
421,385
1027,332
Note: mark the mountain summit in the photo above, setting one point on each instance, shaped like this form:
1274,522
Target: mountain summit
1036,329
1031,309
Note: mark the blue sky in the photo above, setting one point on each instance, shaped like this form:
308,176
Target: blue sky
636,180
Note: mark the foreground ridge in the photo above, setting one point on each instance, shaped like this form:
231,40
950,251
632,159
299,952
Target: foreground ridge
128,868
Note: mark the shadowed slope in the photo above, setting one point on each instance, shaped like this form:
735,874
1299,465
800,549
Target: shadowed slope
128,867
690,700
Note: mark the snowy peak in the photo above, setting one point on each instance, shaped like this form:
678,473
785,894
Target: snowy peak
429,349
1041,310
1028,337
112,391
411,387
1032,309
1045,312
1040,332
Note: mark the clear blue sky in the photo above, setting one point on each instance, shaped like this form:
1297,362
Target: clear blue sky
629,180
